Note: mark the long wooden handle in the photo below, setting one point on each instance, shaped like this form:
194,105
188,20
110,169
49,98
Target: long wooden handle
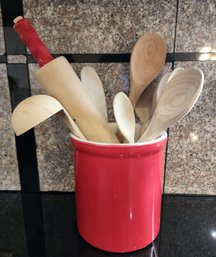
60,81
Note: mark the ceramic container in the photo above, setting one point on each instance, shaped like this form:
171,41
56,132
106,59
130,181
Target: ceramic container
118,190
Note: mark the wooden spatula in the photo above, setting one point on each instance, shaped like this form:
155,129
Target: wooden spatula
36,109
94,87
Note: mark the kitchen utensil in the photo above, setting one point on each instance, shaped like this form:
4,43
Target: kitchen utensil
143,108
147,102
159,89
124,115
36,109
149,97
58,78
147,59
179,96
94,87
115,128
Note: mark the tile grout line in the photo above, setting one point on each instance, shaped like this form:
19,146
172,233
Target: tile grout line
19,88
119,58
167,145
72,193
176,24
173,61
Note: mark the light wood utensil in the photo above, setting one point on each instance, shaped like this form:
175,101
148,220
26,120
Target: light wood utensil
59,80
94,87
159,88
36,109
143,108
175,72
177,99
147,59
147,102
115,128
149,98
162,84
124,115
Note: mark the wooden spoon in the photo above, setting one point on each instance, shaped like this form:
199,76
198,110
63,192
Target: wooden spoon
147,102
94,87
175,72
124,115
178,98
143,108
160,88
147,59
149,98
36,109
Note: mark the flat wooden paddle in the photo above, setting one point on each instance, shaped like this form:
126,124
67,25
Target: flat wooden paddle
36,109
94,87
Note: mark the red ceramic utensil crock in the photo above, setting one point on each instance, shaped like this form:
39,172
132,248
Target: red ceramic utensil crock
118,189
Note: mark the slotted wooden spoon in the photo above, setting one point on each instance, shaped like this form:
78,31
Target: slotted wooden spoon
36,109
177,99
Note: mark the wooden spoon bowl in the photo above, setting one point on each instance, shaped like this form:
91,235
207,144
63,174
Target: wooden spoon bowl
179,96
147,59
124,115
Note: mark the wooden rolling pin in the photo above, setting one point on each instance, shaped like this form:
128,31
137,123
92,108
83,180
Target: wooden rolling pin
60,81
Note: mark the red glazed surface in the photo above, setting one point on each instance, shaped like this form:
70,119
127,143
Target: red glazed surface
118,193
32,41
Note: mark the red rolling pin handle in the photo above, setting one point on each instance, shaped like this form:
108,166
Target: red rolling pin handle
32,41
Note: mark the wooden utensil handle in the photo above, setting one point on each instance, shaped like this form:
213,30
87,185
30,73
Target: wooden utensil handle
60,81
32,41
